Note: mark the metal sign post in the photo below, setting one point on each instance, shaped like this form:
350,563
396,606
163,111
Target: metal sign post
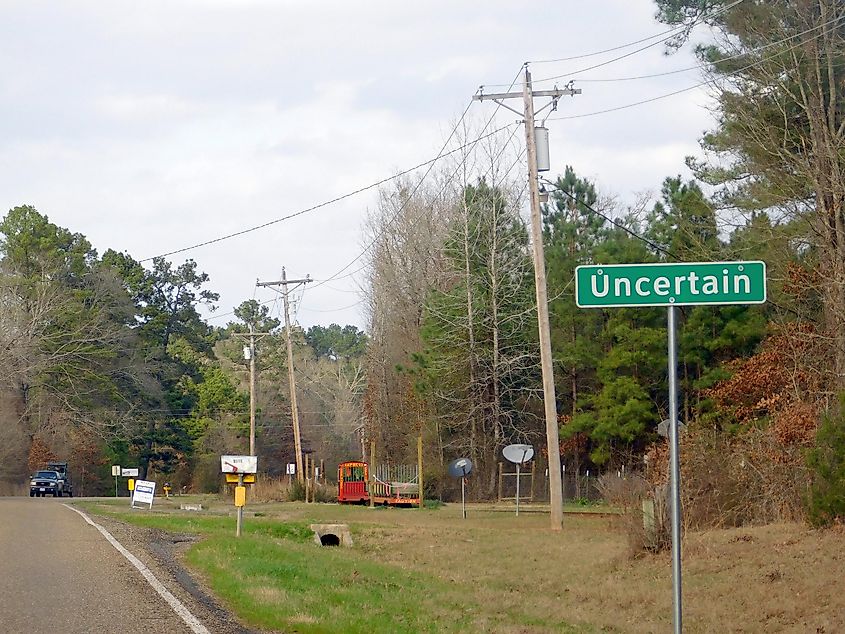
240,488
675,467
115,471
671,284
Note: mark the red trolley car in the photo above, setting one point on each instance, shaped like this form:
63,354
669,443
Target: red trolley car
353,487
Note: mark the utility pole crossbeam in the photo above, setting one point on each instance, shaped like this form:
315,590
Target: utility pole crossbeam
297,438
549,399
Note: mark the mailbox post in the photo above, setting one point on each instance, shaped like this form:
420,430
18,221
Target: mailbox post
239,470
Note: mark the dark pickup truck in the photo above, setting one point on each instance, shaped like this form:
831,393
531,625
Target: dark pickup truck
53,481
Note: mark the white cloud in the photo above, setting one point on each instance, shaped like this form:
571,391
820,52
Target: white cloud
152,127
140,108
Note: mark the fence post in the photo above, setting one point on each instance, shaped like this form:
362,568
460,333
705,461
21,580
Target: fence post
420,471
370,480
533,469
577,485
307,476
500,482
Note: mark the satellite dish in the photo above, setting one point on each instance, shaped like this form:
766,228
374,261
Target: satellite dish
663,427
518,454
460,468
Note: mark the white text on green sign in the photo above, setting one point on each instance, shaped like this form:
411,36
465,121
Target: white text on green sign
675,284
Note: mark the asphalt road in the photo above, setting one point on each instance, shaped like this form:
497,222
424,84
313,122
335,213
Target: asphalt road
59,574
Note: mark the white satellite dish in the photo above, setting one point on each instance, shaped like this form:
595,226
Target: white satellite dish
518,454
663,427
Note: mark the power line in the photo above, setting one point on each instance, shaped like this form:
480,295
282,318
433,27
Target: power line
413,221
416,188
337,276
634,52
440,193
697,66
572,58
671,32
705,82
334,310
592,209
326,203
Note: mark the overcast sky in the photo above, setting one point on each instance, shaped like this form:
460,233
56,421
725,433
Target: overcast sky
151,126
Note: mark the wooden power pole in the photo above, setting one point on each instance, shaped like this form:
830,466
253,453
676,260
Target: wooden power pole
550,406
297,438
249,355
251,390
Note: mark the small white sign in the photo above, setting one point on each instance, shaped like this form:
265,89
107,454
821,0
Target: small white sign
144,492
130,473
291,470
239,464
115,470
316,472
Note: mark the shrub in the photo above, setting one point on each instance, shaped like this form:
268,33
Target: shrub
207,477
733,479
296,491
628,494
826,501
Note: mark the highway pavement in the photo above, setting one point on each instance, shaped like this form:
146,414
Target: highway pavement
59,574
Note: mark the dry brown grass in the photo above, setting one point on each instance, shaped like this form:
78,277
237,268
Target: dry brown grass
270,490
778,578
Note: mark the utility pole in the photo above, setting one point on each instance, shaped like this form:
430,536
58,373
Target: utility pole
251,390
297,438
550,406
249,355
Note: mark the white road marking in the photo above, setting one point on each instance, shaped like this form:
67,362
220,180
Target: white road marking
190,620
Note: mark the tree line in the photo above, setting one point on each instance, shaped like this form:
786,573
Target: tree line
105,361
111,360
453,351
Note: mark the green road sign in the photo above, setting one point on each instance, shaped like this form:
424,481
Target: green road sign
675,284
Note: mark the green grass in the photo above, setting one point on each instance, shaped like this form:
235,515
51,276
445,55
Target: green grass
276,577
315,590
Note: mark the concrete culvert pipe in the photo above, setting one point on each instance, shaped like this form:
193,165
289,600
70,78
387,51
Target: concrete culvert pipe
331,534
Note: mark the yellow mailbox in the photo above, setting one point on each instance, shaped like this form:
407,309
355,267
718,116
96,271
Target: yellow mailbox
240,496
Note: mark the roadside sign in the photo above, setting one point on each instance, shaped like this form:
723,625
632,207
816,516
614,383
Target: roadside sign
291,469
248,478
144,493
130,473
239,464
130,484
670,284
115,470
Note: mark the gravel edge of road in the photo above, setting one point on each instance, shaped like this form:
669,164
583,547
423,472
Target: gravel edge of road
163,553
